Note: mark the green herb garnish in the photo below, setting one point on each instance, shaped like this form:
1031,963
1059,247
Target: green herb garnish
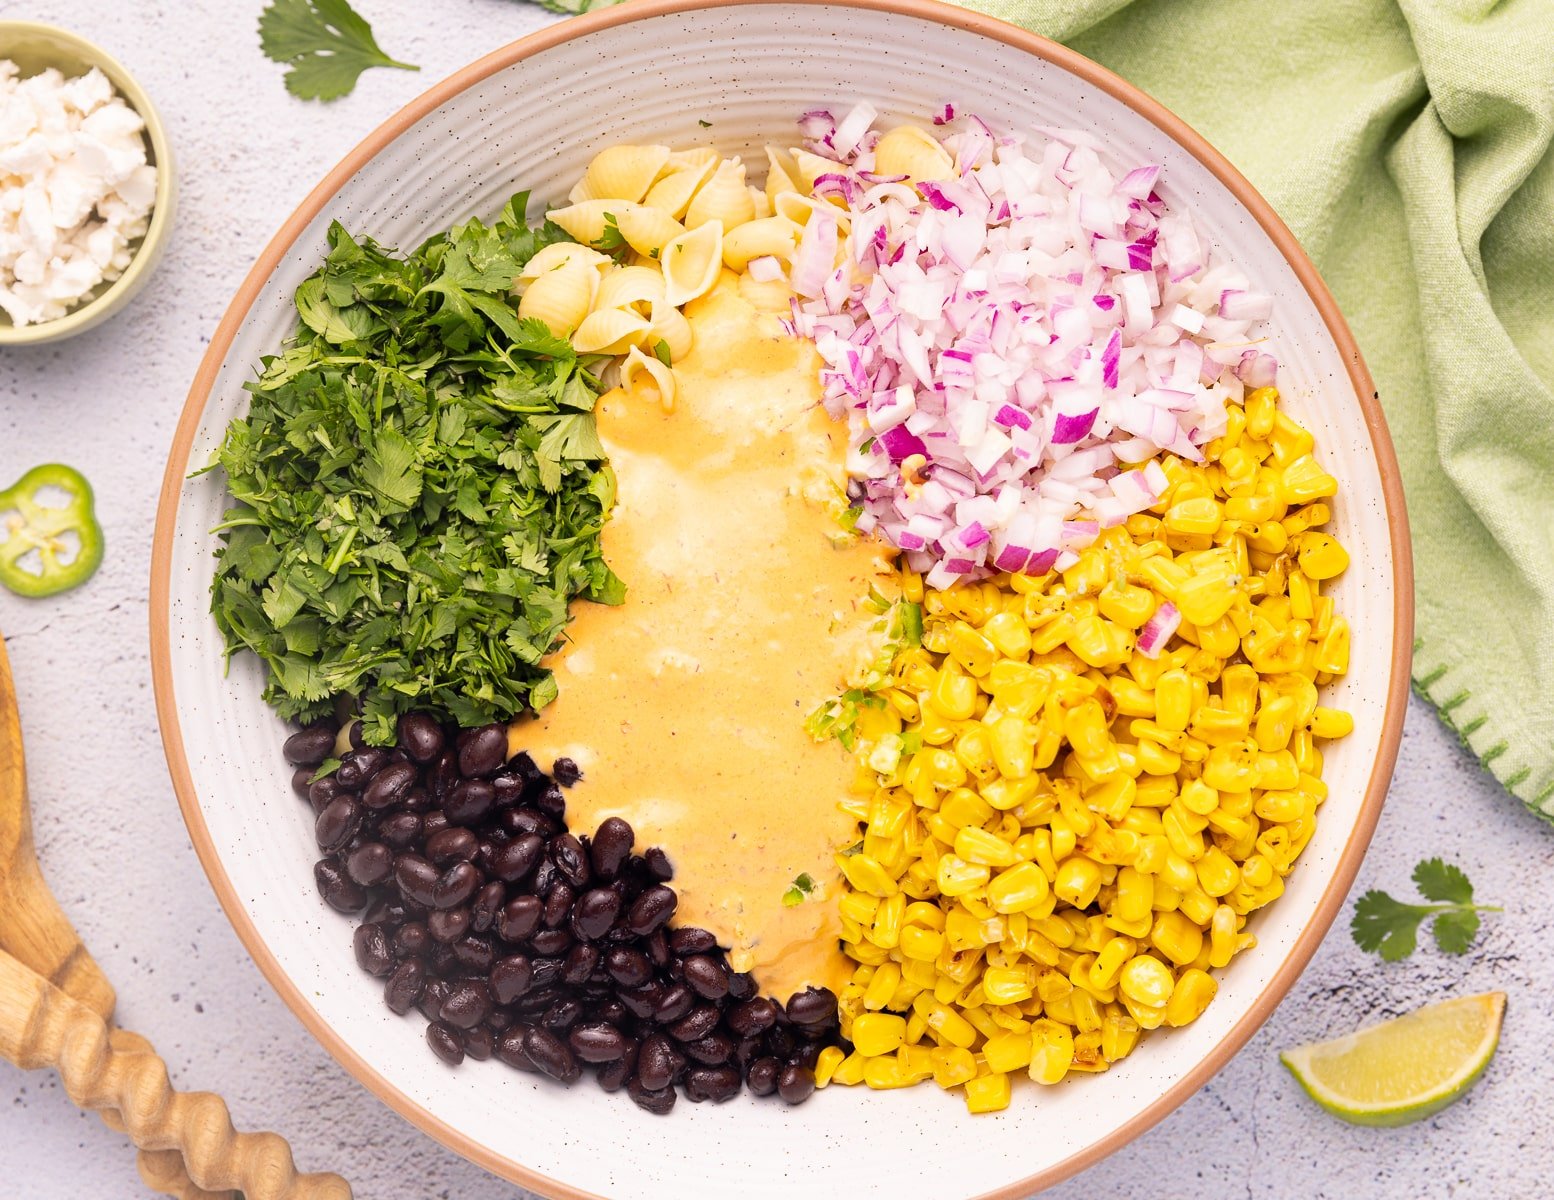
802,887
573,7
661,352
419,488
325,44
611,239
1390,927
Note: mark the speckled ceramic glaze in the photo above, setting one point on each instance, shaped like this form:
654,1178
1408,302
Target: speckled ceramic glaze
529,117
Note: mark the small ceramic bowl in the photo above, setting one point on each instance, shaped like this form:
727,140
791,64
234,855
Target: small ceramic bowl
36,47
738,74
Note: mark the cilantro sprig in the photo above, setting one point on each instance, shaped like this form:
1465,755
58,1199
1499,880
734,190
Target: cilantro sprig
325,44
418,486
1390,927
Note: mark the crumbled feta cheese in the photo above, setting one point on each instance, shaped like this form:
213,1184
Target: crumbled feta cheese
76,190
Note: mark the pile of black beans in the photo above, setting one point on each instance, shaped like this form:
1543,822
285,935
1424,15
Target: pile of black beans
520,941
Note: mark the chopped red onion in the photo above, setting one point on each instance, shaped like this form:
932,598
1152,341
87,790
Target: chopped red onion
1158,630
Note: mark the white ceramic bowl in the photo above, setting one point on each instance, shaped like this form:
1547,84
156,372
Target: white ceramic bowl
530,116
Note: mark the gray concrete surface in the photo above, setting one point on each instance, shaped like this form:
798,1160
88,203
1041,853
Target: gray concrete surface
115,849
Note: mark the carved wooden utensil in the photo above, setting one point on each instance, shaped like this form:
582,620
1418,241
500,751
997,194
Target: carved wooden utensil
56,1008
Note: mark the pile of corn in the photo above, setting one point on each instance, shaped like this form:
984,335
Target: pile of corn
1061,835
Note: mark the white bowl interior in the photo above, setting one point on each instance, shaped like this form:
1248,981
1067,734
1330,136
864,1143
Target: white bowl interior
748,70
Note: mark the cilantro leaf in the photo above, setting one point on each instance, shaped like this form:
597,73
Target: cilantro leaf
325,44
611,239
1438,880
574,7
1391,928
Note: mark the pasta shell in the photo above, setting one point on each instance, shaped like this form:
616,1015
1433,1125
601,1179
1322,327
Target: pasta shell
691,263
671,328
796,208
660,377
763,206
697,157
776,236
673,192
810,167
610,331
562,254
585,221
647,230
561,297
629,287
780,173
772,296
910,151
621,173
722,198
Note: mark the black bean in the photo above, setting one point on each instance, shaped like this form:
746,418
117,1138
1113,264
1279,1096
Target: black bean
657,1102
566,772
311,746
658,1062
510,1048
389,786
658,865
482,751
747,1050
500,1018
697,1023
417,879
550,800
519,821
323,792
545,877
356,735
713,1050
467,1005
370,864
782,1040
657,947
337,888
551,941
479,1042
612,1012
474,954
762,1076
508,787
420,737
813,1008
562,1014
550,1054
650,910
519,918
510,978
302,781
610,848
689,940
456,886
580,962
440,961
468,802
715,1084
447,924
596,1042
445,1043
558,904
706,975
751,1018
512,862
411,939
795,1084
337,824
741,985
399,830
571,860
432,996
807,1055
547,973
595,913
628,967
642,1000
433,823
374,954
677,1000
488,904
444,774
359,766
452,845
612,1076
404,986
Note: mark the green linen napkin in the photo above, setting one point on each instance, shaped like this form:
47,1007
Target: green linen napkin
1407,145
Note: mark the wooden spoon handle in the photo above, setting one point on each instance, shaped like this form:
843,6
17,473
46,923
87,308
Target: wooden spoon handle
40,1026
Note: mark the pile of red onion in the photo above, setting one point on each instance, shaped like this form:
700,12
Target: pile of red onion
1013,347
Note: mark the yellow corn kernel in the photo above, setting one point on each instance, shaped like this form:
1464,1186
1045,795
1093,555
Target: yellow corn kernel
1109,962
1176,937
849,1071
976,845
1052,1051
882,987
921,945
1013,746
1193,991
865,874
1007,985
885,930
956,877
1217,875
945,1022
1260,409
1019,888
1206,597
1008,1051
1303,480
952,1066
1078,881
1320,555
1146,981
878,1033
1010,636
987,1093
1223,930
1201,515
826,1064
1331,723
1126,605
1119,1035
954,694
1173,700
883,1074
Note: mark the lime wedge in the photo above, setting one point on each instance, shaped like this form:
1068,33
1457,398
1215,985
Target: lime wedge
1406,1069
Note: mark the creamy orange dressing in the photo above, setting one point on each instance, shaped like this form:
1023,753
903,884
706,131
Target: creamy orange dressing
685,706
